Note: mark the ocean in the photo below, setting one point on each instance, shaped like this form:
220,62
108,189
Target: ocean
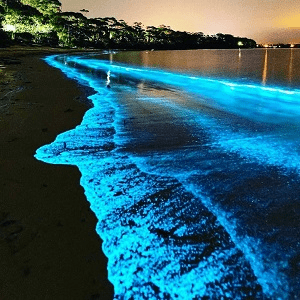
191,161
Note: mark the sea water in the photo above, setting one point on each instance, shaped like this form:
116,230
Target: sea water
190,161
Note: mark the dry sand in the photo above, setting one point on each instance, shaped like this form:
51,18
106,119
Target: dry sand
48,245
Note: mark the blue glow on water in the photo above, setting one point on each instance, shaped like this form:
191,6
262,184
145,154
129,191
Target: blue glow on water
268,104
180,208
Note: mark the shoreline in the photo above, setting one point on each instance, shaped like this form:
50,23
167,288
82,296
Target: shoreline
48,243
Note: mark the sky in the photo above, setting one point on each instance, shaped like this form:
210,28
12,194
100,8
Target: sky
265,21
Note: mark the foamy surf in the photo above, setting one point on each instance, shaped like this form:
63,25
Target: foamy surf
173,203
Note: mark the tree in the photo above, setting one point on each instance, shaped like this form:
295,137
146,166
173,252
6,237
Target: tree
72,29
46,7
42,22
139,34
4,38
27,24
84,11
98,34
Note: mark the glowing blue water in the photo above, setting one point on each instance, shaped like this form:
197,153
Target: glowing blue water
194,181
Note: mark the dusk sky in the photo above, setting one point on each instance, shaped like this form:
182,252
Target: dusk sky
265,21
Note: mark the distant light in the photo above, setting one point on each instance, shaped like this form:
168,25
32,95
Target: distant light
266,45
240,43
292,45
9,27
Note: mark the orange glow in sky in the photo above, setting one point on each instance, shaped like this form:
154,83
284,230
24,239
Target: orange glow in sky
289,21
266,21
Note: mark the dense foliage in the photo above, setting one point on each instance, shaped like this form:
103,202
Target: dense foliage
42,22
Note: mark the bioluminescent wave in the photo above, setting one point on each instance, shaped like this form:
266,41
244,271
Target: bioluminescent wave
194,181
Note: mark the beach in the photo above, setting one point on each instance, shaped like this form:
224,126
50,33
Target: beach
192,183
48,244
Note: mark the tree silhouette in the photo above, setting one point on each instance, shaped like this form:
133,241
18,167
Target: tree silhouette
84,11
42,22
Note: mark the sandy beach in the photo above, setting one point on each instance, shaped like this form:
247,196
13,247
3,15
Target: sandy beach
48,245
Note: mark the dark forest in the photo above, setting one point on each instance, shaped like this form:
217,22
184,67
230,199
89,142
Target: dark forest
42,23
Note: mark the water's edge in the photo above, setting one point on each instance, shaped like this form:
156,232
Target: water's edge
142,208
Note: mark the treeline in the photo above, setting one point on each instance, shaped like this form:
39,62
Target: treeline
41,22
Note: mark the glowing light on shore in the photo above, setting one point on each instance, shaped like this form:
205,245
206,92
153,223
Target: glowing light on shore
9,27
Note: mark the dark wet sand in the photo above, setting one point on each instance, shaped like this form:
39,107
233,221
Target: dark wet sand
48,245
